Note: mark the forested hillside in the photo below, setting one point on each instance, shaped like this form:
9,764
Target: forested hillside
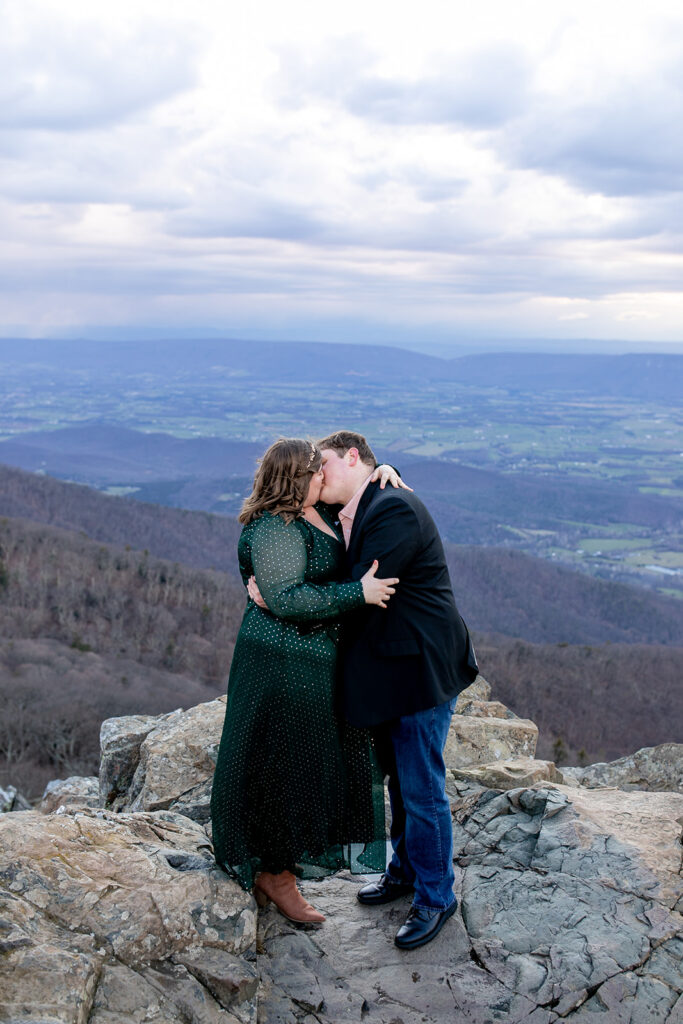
60,585
504,591
54,697
592,702
90,630
193,538
498,590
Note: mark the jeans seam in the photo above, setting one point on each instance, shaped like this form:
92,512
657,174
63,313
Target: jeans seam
431,791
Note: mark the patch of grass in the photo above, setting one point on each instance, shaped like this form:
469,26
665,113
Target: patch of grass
594,544
650,556
665,492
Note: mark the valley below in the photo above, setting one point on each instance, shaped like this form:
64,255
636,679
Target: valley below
556,483
578,460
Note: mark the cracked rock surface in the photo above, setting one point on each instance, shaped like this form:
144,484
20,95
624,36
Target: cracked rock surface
74,793
120,918
559,919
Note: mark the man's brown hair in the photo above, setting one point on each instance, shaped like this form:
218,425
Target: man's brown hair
282,480
343,440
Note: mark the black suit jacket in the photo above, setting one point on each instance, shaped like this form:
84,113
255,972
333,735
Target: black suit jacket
415,653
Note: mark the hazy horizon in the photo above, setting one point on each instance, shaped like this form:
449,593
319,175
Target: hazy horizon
429,346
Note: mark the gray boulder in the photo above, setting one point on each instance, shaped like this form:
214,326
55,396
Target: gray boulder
488,732
162,763
651,768
480,689
75,792
484,731
12,800
108,918
509,774
120,741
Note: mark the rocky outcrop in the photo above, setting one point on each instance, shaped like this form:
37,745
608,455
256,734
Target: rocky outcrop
150,763
509,774
12,800
567,906
480,689
120,742
571,898
484,731
561,918
74,793
109,918
651,768
166,762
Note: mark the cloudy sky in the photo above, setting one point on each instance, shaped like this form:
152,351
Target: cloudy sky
428,172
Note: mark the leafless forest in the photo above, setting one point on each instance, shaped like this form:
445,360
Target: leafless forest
91,630
592,702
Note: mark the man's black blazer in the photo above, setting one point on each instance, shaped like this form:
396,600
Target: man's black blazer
415,653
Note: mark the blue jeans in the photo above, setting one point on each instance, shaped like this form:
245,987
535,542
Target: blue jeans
410,751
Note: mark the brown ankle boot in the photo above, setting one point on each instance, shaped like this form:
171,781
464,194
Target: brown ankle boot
282,890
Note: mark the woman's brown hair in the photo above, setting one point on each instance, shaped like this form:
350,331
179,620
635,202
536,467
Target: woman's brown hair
282,479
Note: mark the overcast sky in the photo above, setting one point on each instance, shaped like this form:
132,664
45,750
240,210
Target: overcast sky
431,171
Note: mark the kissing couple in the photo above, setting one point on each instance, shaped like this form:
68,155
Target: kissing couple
346,670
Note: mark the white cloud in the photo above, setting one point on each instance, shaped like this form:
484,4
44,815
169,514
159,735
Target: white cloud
470,166
64,74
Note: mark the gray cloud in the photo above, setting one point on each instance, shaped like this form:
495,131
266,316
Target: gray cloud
64,76
325,74
485,269
428,184
627,141
444,223
146,279
624,141
479,90
246,214
100,166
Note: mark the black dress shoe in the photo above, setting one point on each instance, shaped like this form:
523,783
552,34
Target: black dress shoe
422,926
385,890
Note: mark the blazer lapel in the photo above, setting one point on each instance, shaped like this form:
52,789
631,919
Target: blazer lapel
366,498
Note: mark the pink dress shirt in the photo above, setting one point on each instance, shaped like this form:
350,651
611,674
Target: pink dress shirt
347,514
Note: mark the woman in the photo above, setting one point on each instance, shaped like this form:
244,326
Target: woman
296,788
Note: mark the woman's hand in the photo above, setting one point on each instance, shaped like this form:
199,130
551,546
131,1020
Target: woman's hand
386,473
255,593
377,591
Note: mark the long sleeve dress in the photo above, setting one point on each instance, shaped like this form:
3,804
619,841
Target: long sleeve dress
296,788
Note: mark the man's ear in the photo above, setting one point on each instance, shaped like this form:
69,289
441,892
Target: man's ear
352,455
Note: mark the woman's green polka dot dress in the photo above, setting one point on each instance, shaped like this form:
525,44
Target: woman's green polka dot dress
296,788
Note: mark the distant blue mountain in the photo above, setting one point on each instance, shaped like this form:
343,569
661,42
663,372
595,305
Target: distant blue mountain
638,375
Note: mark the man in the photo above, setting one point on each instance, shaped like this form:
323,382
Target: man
402,669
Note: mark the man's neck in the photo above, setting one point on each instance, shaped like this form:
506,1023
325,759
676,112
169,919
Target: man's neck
360,479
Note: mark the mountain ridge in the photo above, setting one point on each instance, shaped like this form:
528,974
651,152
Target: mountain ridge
639,375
